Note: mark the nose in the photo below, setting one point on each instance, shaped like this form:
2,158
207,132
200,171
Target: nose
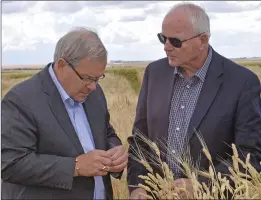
92,86
168,46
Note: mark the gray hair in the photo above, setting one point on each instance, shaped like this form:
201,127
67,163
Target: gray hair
197,15
78,44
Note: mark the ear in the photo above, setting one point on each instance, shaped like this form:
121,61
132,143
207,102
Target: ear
204,39
61,64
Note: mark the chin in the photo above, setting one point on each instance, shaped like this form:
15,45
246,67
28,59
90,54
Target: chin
173,62
81,98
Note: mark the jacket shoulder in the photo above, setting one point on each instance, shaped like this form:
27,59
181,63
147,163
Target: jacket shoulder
26,88
157,66
238,71
159,63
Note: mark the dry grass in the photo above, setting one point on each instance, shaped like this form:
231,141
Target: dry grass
122,109
121,99
249,63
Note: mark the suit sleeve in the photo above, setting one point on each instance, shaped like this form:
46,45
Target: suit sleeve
113,139
247,125
21,164
134,168
248,122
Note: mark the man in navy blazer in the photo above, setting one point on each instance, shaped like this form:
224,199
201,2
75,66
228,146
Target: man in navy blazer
195,88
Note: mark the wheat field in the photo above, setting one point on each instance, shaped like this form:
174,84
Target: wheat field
121,98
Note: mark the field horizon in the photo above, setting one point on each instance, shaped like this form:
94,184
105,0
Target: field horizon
124,64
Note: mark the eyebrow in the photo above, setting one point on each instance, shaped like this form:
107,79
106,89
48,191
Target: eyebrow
87,76
91,77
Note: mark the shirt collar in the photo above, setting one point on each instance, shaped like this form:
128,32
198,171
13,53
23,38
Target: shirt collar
65,97
202,72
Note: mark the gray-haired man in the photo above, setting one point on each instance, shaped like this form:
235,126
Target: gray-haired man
195,87
57,141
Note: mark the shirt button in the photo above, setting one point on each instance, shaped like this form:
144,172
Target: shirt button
177,128
182,107
188,86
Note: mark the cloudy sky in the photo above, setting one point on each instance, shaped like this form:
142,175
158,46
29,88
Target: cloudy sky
128,29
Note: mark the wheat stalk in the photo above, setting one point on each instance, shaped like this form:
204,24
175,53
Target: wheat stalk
240,185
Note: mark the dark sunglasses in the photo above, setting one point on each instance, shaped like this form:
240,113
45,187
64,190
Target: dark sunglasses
175,42
88,80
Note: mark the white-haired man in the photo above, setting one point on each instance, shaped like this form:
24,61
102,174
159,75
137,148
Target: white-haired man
195,88
57,140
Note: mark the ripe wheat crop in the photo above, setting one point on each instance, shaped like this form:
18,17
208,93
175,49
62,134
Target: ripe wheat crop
235,185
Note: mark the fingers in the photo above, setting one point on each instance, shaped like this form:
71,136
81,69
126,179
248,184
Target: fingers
120,151
105,161
116,159
112,151
100,171
137,194
120,160
119,168
186,184
104,157
117,154
142,196
102,153
180,183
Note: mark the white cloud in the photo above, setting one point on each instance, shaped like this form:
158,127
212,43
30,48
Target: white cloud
22,31
128,29
230,7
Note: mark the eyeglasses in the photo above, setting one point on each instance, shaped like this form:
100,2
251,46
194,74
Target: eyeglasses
88,80
175,42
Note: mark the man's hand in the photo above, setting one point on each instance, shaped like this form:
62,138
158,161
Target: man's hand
119,157
187,185
92,163
137,194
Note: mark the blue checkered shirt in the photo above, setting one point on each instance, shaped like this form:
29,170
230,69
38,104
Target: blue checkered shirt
183,103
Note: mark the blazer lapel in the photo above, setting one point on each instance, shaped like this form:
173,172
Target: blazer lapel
208,93
167,93
164,90
58,109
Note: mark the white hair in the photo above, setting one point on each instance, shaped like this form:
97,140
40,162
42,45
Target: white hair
78,44
197,15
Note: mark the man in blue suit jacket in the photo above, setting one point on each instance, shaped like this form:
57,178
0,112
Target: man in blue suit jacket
194,87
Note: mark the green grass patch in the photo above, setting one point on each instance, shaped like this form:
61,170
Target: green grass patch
250,63
130,74
19,75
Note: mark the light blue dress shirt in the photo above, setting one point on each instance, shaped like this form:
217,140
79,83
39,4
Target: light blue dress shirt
82,128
